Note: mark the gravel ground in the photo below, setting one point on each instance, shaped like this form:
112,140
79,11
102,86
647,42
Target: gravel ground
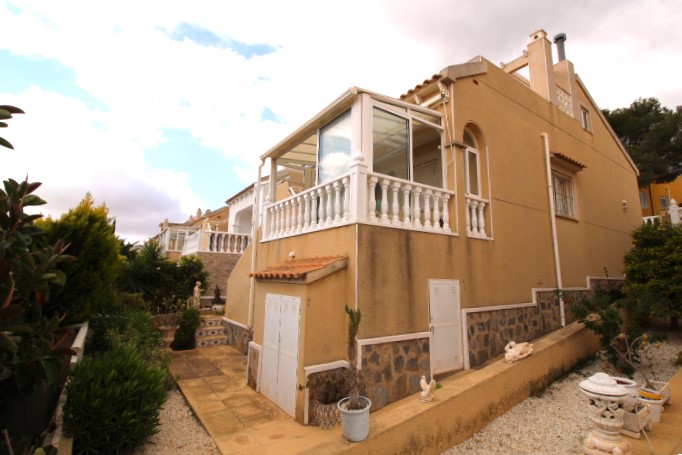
181,432
557,421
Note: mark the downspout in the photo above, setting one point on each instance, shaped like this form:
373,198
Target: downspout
255,222
555,239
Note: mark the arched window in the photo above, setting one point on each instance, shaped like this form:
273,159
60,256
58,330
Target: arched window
472,165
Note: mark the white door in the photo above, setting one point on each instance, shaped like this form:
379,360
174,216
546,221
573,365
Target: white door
280,350
445,325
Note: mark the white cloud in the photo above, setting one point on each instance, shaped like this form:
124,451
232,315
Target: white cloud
121,54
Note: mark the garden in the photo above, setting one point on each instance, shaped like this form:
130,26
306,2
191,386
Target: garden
58,276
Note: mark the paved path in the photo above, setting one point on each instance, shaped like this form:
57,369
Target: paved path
243,422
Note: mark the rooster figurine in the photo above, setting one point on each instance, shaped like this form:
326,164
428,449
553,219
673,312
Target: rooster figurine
427,389
517,351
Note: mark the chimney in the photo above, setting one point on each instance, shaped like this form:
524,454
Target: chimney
559,41
540,66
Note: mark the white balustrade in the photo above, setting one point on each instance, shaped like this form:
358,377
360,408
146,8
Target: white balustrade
475,216
390,201
216,242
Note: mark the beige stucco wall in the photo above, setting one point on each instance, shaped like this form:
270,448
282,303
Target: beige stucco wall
238,289
393,266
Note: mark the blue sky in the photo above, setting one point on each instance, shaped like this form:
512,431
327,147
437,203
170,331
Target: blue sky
161,108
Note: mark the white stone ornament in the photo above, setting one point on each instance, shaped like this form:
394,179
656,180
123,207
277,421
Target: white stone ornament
605,398
428,388
516,351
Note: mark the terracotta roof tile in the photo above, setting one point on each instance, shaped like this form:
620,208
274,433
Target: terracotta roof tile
434,78
305,270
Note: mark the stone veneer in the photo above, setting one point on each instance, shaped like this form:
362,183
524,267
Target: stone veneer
391,371
489,331
237,336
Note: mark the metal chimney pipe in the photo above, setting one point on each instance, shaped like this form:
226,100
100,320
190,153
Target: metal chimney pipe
559,41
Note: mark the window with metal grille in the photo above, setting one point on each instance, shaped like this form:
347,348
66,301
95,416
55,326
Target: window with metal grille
564,195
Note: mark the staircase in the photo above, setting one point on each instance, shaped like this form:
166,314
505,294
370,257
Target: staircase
211,332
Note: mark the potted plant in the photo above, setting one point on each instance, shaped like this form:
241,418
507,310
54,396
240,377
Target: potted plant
635,354
354,409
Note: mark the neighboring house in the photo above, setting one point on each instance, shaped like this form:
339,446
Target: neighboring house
655,198
450,217
216,237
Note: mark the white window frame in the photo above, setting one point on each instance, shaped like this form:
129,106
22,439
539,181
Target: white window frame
585,119
407,114
564,193
467,153
644,202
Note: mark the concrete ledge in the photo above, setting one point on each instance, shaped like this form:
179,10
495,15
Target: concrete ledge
469,400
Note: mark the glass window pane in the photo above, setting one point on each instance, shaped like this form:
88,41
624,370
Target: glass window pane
334,150
391,144
472,172
426,154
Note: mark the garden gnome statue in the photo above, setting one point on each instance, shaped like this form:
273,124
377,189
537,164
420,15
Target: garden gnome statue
196,297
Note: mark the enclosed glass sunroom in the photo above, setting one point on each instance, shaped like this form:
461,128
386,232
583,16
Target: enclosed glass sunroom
365,158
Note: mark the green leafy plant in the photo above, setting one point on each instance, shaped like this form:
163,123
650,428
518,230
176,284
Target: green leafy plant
185,335
114,401
6,114
32,343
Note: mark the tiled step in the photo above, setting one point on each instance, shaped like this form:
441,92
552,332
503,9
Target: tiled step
211,341
210,331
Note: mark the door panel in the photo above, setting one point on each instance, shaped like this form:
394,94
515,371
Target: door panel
280,350
445,325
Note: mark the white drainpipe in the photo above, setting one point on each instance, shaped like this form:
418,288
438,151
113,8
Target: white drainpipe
255,220
555,239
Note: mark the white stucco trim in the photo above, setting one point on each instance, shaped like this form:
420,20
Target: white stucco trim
389,339
259,348
534,293
238,324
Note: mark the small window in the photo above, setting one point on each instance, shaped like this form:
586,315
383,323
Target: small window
564,195
472,176
665,203
643,200
585,118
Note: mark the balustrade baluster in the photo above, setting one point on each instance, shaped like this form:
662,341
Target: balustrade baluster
306,211
417,223
474,218
278,218
384,200
446,213
467,212
372,212
287,217
299,209
481,219
427,209
346,199
436,210
395,204
314,203
323,208
337,201
406,206
330,206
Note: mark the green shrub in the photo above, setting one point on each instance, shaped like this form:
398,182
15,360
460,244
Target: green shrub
114,400
185,335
